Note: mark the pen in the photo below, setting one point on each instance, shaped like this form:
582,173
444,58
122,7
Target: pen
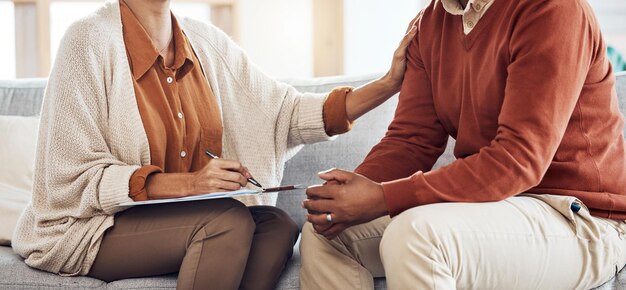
251,180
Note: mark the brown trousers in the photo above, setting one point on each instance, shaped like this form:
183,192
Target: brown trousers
215,244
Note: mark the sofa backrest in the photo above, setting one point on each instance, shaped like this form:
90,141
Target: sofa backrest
21,97
24,98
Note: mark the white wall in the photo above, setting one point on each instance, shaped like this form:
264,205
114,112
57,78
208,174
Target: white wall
7,42
64,13
373,30
278,35
612,17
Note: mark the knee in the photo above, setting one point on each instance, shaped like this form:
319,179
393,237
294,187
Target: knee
235,220
286,223
308,240
283,225
308,234
413,249
311,243
292,229
414,232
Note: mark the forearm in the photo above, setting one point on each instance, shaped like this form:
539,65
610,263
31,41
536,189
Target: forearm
369,96
219,175
415,138
170,185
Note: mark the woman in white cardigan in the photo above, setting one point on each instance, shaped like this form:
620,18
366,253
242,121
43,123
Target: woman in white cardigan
95,136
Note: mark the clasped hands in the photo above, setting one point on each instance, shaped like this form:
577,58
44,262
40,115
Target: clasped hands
349,198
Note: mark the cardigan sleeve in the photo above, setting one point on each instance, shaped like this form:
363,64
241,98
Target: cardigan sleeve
76,171
335,116
137,183
298,117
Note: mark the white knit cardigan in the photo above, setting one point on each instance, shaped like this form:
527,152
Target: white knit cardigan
92,139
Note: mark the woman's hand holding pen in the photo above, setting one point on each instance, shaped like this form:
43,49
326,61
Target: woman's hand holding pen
220,175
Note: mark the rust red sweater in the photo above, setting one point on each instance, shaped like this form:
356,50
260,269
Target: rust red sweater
528,95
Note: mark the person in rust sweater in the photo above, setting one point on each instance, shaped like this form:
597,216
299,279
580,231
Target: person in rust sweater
537,196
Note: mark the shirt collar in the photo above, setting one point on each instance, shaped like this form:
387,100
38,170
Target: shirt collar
183,60
454,7
141,51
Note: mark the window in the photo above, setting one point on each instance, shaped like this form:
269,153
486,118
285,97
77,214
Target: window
611,15
35,28
7,45
375,41
199,11
285,38
62,15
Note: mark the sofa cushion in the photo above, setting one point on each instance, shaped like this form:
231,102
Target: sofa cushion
17,152
288,281
14,274
159,282
12,203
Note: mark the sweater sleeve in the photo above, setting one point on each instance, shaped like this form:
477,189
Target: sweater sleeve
137,183
551,50
297,117
335,115
415,138
76,170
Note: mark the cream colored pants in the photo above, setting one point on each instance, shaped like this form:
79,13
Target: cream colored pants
524,242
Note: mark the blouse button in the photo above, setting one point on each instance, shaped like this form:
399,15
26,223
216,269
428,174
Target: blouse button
470,24
183,154
170,80
478,7
180,115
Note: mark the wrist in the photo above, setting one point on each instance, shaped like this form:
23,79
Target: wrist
389,85
381,205
191,184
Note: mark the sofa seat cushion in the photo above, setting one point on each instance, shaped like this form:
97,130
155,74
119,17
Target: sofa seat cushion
158,282
15,274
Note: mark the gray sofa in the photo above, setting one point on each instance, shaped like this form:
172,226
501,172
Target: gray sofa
23,97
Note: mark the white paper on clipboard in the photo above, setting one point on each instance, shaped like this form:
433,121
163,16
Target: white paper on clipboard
214,195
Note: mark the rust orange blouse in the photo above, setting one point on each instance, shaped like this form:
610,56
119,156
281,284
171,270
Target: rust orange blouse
178,109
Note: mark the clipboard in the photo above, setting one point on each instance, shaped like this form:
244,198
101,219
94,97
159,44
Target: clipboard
214,195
